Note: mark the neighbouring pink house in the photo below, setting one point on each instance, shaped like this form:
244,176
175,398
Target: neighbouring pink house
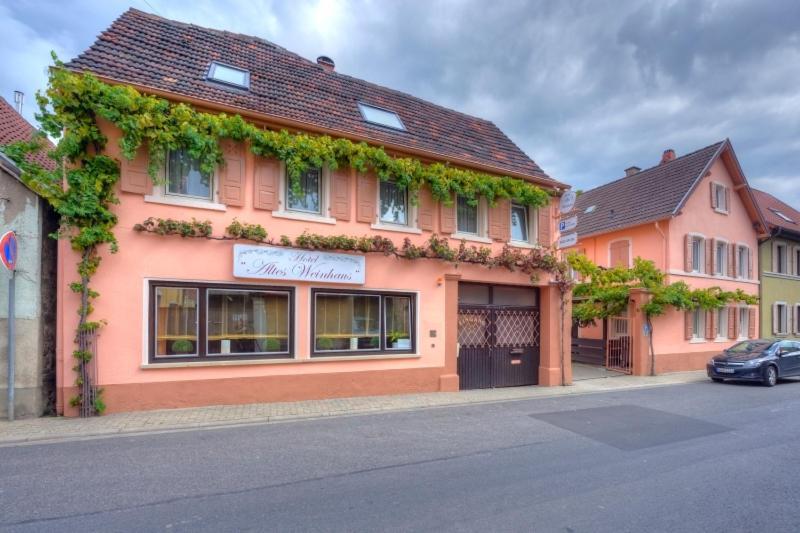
695,217
188,325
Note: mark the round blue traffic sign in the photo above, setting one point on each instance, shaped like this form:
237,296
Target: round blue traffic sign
8,250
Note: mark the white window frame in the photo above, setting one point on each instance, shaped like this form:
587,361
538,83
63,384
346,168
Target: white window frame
212,68
722,324
795,250
482,224
721,269
160,194
702,259
324,201
533,224
721,187
699,319
743,318
783,328
412,214
796,316
742,273
630,250
777,267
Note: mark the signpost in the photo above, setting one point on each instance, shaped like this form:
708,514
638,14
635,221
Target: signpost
8,254
567,202
568,224
565,241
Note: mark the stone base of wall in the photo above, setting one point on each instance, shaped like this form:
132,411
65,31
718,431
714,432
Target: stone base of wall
683,362
28,402
177,394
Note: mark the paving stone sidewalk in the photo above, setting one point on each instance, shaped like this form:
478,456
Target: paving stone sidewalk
59,428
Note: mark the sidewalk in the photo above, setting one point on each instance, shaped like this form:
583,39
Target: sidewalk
56,429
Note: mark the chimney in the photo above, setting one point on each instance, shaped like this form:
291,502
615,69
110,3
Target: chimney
630,171
326,63
669,155
19,99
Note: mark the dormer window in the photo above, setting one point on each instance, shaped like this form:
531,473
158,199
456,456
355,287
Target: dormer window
229,75
381,117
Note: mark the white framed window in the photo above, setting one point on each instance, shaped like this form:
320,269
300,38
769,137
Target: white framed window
186,179
380,116
721,258
744,322
523,224
306,195
698,254
780,255
229,75
393,205
470,219
743,262
698,324
796,263
720,198
780,318
722,323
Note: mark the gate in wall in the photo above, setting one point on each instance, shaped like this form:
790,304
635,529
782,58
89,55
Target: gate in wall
498,346
619,349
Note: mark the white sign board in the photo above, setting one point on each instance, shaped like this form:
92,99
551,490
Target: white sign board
567,202
565,241
568,224
291,264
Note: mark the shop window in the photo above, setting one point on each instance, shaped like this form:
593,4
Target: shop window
184,177
204,321
393,204
356,323
305,196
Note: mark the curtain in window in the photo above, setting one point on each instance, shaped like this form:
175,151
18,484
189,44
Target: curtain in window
184,176
466,216
244,322
398,322
394,203
519,223
306,197
346,322
176,321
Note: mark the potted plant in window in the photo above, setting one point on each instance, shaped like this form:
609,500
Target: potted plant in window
182,346
324,343
269,345
399,340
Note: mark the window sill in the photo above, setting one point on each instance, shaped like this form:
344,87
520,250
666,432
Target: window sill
398,228
695,340
306,217
471,238
722,211
185,202
526,245
723,339
259,362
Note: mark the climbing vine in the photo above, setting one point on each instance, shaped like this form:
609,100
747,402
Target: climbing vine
81,188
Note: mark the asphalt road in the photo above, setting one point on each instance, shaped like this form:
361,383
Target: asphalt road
699,457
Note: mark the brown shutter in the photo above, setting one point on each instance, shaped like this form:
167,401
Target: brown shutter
366,196
688,324
426,208
713,196
500,220
751,323
340,193
267,183
447,217
231,190
687,258
732,322
711,324
710,256
133,175
544,221
734,260
749,263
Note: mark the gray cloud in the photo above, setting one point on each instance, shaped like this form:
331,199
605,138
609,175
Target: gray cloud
585,88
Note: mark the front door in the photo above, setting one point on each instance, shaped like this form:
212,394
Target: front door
498,346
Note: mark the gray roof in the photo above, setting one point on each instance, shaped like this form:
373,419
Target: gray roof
652,194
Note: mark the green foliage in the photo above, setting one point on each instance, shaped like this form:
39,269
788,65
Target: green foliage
605,292
182,346
169,226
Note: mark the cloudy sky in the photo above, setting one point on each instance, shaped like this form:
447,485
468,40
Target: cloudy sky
585,88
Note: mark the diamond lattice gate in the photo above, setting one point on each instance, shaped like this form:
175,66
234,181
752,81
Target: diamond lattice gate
498,346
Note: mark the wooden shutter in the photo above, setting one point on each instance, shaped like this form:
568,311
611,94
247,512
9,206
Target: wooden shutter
544,221
447,218
232,176
709,256
688,324
735,260
751,323
426,207
713,196
366,198
732,322
267,183
619,254
500,220
133,175
340,193
687,258
711,324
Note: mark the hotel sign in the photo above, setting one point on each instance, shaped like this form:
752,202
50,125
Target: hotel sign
291,264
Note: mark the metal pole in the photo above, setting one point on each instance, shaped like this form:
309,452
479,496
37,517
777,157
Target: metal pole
11,339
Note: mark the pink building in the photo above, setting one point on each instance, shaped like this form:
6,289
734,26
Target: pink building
694,216
199,322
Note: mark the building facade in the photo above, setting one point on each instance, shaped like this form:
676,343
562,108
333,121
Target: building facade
779,268
199,322
694,216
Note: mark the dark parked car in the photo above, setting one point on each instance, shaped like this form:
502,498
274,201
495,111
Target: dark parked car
761,360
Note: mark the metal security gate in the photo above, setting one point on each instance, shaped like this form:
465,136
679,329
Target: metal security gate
498,346
619,350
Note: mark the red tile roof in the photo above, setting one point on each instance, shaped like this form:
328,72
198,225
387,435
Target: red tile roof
166,55
14,127
771,206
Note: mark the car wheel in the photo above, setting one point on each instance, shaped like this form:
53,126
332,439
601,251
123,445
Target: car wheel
770,376
717,380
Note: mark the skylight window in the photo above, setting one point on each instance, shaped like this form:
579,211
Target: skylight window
784,217
590,209
381,117
229,75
